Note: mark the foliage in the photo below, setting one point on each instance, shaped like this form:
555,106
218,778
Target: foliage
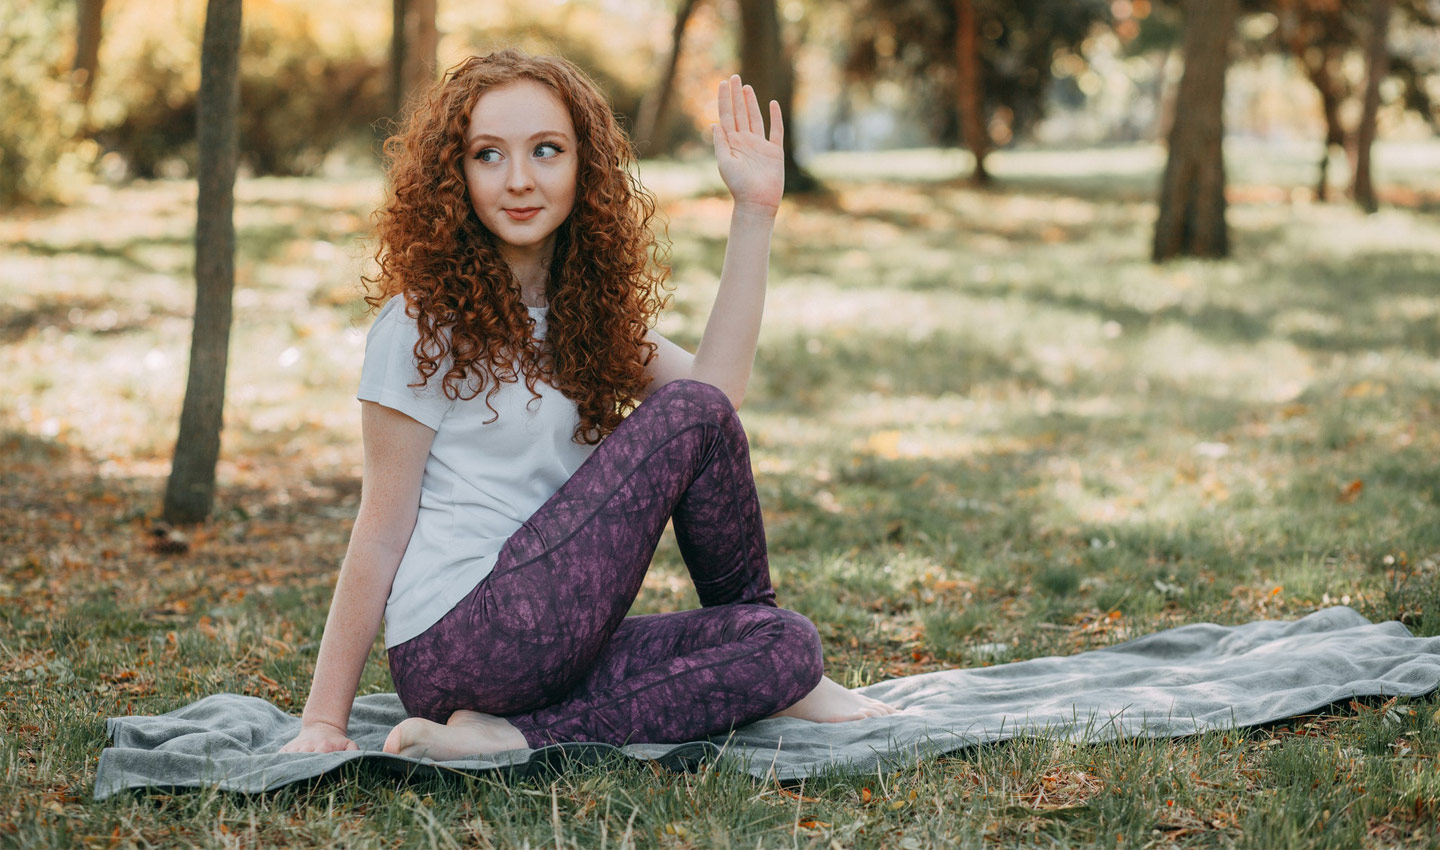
1323,31
298,98
1326,30
40,157
913,42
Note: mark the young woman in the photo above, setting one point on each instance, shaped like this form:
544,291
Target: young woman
504,528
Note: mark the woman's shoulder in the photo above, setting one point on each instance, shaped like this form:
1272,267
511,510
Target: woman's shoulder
393,320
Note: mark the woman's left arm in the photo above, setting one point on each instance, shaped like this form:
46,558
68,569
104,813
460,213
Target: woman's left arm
753,168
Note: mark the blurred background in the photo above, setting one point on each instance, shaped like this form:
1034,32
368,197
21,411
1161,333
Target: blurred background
96,89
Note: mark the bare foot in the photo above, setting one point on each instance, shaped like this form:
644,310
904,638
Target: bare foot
832,702
468,733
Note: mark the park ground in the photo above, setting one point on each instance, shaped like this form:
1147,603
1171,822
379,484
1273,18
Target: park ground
984,428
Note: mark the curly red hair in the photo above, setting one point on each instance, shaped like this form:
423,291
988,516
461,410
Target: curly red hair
606,275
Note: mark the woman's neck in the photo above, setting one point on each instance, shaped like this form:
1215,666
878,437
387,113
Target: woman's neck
531,270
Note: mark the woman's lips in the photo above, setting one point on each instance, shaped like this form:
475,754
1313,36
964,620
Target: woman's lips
522,214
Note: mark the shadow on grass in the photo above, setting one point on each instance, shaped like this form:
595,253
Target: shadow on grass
123,252
60,312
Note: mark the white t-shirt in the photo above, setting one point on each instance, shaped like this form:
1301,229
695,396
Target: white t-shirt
482,481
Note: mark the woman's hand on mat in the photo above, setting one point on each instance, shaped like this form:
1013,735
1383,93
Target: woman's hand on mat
319,737
752,166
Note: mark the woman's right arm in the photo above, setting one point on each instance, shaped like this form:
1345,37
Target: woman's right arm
396,447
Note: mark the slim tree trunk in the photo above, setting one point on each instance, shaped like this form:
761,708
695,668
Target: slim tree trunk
1334,130
766,67
651,128
87,48
1192,191
1377,66
970,89
1303,28
190,492
414,40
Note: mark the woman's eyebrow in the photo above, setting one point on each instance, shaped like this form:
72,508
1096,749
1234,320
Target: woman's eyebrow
486,136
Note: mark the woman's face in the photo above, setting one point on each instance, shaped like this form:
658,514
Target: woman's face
520,166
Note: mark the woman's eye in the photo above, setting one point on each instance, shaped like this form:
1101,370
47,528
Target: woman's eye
485,153
556,148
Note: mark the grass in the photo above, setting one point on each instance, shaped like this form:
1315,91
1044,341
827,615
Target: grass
984,428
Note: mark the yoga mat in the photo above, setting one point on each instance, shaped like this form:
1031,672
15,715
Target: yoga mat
1180,681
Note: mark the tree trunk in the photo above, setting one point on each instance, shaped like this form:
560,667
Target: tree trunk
1304,28
1377,66
87,49
765,66
190,492
969,88
413,43
652,127
1192,191
1334,130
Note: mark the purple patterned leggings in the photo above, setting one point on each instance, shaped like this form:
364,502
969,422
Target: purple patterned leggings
544,641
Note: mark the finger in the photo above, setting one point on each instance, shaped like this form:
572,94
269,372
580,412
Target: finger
737,105
777,124
723,102
351,745
722,141
752,110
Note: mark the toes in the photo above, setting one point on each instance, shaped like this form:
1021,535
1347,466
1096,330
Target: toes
392,742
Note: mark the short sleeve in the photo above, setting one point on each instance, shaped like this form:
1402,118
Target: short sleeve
389,369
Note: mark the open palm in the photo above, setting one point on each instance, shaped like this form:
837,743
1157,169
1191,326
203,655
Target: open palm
752,166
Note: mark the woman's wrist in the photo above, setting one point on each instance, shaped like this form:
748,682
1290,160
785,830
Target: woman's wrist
763,213
314,722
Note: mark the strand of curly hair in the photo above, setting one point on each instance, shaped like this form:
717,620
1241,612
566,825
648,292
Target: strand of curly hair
606,275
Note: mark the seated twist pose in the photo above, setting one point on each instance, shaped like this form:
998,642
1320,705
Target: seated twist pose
504,527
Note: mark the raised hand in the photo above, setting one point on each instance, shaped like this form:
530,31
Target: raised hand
752,166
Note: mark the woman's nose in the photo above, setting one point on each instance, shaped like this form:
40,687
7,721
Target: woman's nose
518,178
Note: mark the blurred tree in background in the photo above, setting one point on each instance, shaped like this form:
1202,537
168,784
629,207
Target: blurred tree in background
87,47
300,96
1191,219
42,154
413,42
921,45
652,125
1321,34
768,66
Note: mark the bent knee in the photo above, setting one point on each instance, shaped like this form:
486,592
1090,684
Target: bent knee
704,401
695,391
799,646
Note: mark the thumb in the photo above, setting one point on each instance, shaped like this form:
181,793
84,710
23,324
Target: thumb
722,142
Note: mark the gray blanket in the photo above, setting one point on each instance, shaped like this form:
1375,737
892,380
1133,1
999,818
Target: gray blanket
1176,682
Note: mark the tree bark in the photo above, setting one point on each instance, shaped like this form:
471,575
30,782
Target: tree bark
765,66
652,127
970,90
1377,66
1334,130
87,48
190,492
414,40
1192,192
1304,28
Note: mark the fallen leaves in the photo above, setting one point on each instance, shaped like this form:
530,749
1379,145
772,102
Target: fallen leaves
165,540
1062,788
1350,492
